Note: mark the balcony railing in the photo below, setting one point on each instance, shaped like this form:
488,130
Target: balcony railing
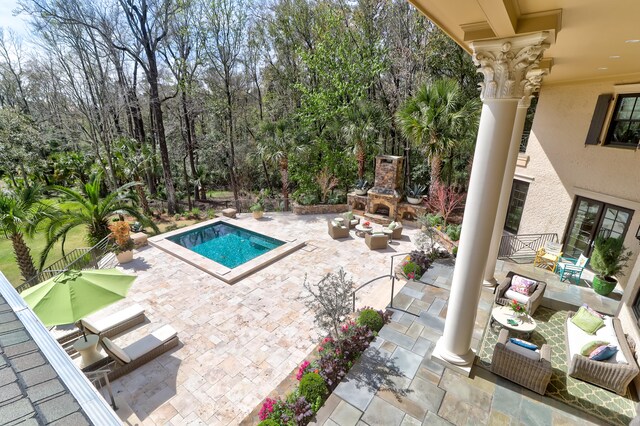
523,247
523,141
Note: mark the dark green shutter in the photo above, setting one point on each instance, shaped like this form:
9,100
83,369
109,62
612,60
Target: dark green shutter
597,121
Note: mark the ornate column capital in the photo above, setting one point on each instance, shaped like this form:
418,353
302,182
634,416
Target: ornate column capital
507,64
532,83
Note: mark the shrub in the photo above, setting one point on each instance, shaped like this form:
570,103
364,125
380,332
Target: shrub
422,259
314,389
434,219
195,213
268,422
177,216
211,213
370,318
411,270
171,227
453,232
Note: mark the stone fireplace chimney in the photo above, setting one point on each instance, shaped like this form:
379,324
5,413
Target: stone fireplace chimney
389,176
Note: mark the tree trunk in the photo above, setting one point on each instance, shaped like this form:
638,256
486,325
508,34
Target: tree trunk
436,170
143,198
158,121
362,157
284,176
186,181
23,256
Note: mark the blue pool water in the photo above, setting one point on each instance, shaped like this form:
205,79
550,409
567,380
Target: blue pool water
226,244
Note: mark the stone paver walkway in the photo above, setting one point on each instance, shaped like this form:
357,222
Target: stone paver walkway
238,342
397,383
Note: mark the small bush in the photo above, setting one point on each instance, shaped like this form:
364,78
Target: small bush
177,216
370,318
422,259
453,232
268,422
171,227
211,213
411,270
313,389
435,219
195,213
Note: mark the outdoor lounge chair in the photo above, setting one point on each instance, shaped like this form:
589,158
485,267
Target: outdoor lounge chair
337,231
504,295
531,369
570,269
121,361
109,326
351,219
397,230
547,256
376,241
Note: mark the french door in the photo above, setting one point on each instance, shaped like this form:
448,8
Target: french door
591,219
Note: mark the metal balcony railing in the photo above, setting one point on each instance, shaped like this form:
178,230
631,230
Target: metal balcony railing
525,246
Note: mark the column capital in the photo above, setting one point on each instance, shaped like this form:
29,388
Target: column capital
506,64
532,83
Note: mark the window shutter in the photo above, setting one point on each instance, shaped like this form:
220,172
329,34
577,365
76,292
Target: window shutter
597,121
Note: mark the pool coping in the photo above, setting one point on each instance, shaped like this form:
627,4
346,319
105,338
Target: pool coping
217,270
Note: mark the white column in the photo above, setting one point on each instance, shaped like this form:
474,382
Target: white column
532,85
504,64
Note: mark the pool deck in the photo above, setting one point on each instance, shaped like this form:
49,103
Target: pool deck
238,342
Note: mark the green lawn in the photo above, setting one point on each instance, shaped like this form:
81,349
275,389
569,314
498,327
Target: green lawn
8,264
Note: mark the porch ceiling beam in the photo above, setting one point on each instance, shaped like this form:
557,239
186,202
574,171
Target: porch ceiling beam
550,21
502,16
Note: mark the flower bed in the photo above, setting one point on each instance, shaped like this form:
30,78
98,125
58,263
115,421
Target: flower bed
320,208
318,378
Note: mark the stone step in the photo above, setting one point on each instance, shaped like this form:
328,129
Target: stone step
377,218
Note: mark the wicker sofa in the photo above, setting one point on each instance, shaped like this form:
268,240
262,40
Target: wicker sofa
614,374
533,301
533,374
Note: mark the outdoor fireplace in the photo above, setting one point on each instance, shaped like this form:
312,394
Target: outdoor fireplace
383,198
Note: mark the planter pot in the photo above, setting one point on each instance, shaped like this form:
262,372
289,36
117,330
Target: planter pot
125,256
412,200
361,191
258,215
603,286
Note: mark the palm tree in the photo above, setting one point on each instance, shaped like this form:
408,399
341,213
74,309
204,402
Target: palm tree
21,211
362,128
277,147
89,209
437,118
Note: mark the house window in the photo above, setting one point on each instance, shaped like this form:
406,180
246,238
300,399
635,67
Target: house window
516,206
624,129
636,308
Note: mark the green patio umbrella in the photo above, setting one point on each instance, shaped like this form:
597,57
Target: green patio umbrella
72,295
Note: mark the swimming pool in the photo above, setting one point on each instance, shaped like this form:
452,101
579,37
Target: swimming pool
226,244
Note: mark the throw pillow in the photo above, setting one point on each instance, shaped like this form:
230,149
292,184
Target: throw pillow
603,353
591,346
392,226
587,322
523,285
349,215
592,311
532,355
523,343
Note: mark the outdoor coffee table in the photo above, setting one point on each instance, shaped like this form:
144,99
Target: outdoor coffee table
501,315
88,350
362,230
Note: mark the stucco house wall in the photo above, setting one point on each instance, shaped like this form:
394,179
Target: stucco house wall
560,165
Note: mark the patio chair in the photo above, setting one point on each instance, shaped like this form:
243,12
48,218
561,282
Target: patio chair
504,294
547,256
531,369
351,219
121,361
109,326
396,228
570,269
337,231
376,241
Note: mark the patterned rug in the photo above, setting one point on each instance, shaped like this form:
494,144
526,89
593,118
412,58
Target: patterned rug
613,408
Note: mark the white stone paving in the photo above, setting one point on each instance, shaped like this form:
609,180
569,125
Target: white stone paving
238,342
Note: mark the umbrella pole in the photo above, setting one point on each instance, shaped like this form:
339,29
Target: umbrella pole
83,334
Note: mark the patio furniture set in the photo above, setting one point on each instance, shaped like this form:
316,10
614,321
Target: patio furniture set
375,239
119,361
568,268
587,334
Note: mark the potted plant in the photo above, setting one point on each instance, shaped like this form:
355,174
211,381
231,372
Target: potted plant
257,210
120,234
415,193
609,257
362,186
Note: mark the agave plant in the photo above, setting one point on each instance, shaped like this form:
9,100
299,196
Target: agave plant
416,191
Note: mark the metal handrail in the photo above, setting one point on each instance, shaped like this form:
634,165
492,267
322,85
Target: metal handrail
73,260
389,275
524,140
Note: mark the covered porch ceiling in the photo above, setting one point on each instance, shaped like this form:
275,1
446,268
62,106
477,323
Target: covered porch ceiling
594,39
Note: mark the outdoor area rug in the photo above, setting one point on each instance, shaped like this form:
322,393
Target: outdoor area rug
613,408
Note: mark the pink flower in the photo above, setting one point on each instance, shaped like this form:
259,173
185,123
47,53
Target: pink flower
267,408
411,275
327,340
320,348
302,369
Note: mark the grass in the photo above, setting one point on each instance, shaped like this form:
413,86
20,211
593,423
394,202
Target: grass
8,264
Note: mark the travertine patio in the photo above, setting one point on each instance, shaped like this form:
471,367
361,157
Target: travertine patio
238,342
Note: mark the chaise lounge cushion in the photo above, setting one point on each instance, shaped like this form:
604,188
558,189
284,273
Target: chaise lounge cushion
527,353
113,320
150,342
116,350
